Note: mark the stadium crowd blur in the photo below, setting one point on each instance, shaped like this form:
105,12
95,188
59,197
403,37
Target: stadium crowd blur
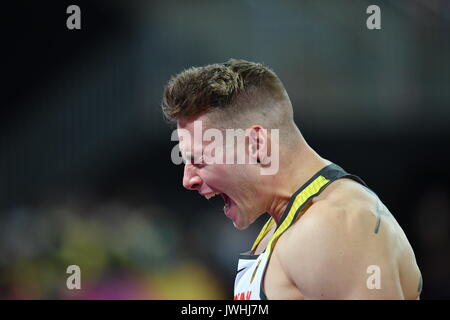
86,176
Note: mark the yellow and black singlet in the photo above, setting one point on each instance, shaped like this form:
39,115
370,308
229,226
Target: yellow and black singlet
251,269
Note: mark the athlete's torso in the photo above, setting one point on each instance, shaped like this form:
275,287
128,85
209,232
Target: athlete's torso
260,274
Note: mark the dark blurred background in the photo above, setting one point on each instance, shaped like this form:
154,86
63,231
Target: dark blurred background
86,176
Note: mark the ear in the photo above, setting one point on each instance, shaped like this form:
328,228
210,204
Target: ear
257,144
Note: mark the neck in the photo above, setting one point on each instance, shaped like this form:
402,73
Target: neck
299,165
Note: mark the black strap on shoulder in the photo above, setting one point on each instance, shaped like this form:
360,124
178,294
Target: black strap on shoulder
331,172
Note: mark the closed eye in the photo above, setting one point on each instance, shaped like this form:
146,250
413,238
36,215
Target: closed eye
197,162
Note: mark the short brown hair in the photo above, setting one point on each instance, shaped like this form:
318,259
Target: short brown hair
215,87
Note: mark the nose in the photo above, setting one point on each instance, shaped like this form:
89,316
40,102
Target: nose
191,180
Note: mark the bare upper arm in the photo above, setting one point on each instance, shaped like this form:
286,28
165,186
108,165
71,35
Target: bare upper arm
333,253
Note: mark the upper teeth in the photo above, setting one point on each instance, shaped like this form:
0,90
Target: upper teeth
209,196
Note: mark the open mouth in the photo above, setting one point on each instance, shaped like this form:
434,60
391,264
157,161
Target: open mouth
226,200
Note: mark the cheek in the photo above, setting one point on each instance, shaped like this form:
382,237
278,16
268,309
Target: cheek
216,176
225,178
241,178
230,178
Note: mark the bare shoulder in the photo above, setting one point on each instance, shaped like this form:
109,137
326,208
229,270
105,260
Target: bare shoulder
337,240
346,210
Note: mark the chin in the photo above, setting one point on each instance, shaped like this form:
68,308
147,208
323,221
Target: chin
240,227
